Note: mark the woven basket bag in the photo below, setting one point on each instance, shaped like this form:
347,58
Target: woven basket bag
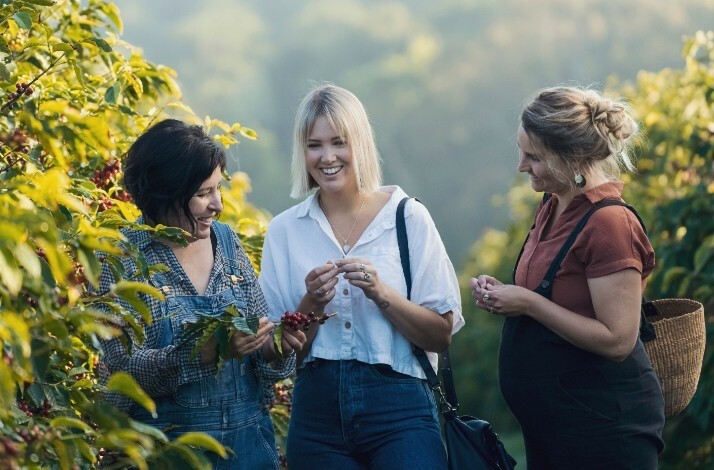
678,350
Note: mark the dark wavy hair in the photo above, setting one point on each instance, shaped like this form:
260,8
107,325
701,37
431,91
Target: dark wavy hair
165,167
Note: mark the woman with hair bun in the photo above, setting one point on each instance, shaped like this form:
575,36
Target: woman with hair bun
572,368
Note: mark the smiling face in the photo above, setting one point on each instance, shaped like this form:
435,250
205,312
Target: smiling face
328,157
205,206
529,161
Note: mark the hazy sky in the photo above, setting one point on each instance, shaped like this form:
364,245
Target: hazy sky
443,81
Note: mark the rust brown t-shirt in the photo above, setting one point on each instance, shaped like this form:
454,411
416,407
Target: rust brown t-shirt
612,240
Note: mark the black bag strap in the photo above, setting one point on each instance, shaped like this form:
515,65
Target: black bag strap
448,400
546,196
403,242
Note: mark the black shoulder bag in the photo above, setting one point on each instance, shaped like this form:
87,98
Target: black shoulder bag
471,443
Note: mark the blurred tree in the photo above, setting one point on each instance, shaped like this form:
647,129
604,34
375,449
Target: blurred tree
442,80
74,96
673,191
674,188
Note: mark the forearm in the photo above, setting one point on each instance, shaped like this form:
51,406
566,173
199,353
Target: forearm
273,369
155,370
423,327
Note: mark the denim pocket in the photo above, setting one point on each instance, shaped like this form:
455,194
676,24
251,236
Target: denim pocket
193,394
385,373
180,317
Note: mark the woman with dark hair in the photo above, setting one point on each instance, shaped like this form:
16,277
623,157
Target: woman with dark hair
572,368
174,172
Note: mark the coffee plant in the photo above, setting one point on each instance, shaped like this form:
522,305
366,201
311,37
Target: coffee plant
73,97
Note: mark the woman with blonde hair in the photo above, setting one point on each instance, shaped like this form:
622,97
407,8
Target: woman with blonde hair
572,368
360,398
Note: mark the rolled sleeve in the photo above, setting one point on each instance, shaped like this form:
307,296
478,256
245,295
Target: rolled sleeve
434,283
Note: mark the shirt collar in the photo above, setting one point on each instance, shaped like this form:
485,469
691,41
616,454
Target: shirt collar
611,189
311,207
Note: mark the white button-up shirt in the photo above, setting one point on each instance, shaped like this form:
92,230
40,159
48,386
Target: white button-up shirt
301,238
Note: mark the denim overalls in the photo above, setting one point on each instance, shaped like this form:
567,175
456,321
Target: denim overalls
227,407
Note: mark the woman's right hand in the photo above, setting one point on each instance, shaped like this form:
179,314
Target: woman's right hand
320,285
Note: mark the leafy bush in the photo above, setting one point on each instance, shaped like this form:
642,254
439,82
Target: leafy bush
74,97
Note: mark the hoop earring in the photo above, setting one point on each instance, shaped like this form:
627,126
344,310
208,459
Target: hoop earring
579,180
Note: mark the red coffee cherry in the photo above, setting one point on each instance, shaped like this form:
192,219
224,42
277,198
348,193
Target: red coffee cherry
297,320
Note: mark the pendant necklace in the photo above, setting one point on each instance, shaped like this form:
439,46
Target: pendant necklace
346,246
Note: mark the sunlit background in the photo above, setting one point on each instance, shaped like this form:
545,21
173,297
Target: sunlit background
443,81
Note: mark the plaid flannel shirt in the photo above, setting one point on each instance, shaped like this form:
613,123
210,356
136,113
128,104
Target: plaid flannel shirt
156,370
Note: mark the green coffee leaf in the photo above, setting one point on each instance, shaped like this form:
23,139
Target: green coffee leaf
23,20
124,384
203,441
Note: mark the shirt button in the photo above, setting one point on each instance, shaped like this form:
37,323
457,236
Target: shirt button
348,325
346,291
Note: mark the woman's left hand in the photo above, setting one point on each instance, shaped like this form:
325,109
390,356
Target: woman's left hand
241,344
361,273
293,340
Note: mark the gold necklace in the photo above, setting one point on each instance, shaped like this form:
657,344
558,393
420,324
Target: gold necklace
346,247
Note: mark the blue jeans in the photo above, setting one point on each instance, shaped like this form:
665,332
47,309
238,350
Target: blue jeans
351,415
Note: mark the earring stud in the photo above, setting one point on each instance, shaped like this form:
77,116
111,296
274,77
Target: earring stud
579,180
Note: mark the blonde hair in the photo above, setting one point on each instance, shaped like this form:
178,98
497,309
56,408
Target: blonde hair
346,115
580,130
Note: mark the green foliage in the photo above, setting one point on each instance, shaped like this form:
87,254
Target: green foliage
219,329
73,98
470,63
675,182
672,190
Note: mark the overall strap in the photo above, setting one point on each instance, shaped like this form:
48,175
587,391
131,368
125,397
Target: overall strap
224,234
647,331
449,403
546,196
546,285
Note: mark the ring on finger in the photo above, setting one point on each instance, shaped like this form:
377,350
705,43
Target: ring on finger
367,276
362,267
486,296
319,293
